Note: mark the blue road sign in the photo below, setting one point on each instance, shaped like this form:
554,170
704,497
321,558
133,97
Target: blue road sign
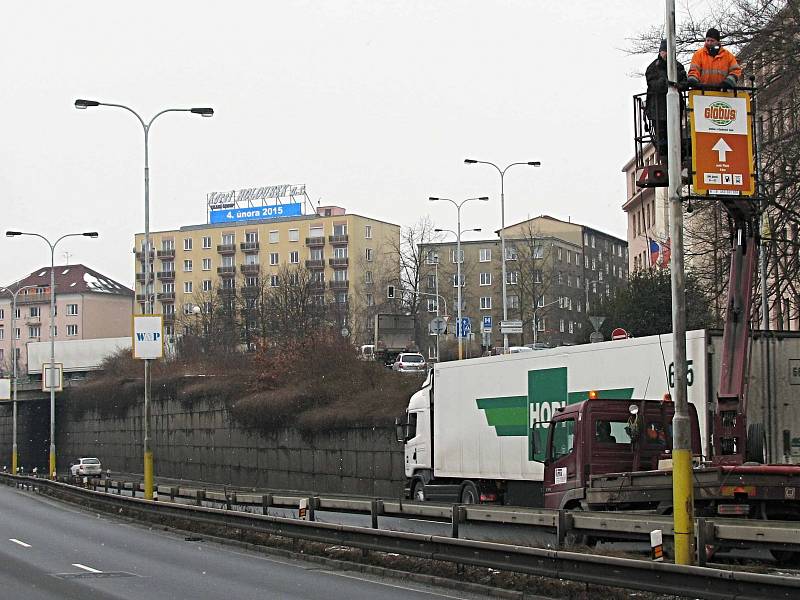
465,328
487,323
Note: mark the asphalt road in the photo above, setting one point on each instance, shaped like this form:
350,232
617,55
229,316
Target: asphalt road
52,551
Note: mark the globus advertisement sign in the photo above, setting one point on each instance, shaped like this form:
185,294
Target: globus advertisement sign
722,143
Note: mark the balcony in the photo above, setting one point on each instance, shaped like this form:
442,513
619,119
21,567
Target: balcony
338,262
169,318
228,271
315,264
227,292
250,269
140,255
338,285
143,298
338,239
32,299
166,296
250,247
166,275
315,241
226,248
316,285
140,276
250,291
166,253
33,320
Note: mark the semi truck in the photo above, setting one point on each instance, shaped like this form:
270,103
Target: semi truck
394,333
478,429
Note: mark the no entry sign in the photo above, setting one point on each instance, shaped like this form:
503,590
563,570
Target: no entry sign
722,143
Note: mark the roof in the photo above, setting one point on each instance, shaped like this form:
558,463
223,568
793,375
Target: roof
74,279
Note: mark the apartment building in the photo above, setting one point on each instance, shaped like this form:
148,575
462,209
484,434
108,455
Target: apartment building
349,257
553,268
88,305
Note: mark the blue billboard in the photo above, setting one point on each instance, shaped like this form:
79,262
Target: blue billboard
253,213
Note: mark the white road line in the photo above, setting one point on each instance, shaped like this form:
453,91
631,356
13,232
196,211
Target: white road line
391,585
85,568
23,544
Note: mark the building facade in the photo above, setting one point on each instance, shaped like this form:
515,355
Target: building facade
348,259
553,269
89,305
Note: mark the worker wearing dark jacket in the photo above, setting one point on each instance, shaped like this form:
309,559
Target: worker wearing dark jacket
656,106
713,65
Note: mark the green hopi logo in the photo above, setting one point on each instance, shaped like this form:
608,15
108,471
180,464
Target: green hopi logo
528,416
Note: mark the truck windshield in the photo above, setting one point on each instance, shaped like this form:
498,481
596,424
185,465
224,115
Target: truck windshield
563,436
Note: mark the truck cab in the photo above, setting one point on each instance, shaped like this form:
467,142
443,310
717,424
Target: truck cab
597,437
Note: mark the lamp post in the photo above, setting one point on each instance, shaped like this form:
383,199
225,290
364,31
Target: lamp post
14,295
457,233
52,386
148,307
533,163
535,322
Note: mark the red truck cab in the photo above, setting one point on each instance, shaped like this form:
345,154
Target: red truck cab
597,437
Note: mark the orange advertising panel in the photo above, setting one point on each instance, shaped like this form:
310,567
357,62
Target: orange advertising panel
722,143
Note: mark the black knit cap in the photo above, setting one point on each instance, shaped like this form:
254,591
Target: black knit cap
713,33
663,46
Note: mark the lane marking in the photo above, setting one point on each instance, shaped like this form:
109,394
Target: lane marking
21,543
85,568
391,585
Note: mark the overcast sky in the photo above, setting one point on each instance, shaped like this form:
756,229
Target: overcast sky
373,105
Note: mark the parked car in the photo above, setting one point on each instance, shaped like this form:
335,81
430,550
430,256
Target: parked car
86,467
410,362
518,349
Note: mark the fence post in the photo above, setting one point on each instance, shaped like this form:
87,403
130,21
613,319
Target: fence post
458,514
564,524
173,491
375,509
705,533
200,496
266,502
313,503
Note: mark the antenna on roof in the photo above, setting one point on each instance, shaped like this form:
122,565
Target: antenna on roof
67,254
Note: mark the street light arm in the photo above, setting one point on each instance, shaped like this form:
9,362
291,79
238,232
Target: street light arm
470,161
129,109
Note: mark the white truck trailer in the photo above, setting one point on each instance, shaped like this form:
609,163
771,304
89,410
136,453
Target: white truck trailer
468,432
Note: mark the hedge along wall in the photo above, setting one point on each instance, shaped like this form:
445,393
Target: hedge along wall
200,441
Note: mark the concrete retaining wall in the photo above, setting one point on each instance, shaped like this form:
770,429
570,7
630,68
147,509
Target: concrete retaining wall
200,442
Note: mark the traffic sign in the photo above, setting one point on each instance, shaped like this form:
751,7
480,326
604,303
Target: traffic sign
487,324
510,326
722,143
464,328
597,322
438,325
595,337
619,334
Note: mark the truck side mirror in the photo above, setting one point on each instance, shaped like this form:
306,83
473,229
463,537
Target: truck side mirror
399,431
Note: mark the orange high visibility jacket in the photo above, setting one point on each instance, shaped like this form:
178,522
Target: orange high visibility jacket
712,70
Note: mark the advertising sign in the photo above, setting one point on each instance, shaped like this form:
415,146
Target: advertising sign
232,215
5,388
722,143
148,337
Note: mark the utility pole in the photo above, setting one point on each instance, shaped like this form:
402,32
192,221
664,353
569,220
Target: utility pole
682,484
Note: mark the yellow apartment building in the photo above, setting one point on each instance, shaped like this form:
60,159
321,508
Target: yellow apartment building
349,258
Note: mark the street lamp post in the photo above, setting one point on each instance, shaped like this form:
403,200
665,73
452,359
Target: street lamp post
14,294
535,322
458,206
52,386
148,307
533,163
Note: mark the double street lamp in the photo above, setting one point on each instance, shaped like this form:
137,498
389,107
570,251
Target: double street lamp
533,163
52,382
148,306
457,232
14,294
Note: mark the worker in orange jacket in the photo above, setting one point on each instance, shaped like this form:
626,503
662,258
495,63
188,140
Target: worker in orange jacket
713,65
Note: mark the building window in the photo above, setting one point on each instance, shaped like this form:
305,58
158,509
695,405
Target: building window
228,261
72,330
455,281
34,331
485,255
206,264
486,279
560,277
273,237
187,266
16,333
167,265
2,313
513,302
431,257
294,235
316,254
537,276
168,244
2,333
251,259
72,310
433,305
340,252
274,281
511,253
35,312
368,254
206,285
368,232
486,302
340,275
370,300
540,326
340,229
538,251
273,258
294,257
206,242
316,231
512,277
187,243
561,325
571,327
251,282
367,276
187,308
456,257
187,287
558,253
228,283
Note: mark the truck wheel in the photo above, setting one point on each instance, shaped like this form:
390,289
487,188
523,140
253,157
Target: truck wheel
756,450
418,491
470,493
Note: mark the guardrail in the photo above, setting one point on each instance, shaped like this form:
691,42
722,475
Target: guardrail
565,526
599,570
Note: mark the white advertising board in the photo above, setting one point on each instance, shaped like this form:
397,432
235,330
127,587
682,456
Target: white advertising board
148,337
5,389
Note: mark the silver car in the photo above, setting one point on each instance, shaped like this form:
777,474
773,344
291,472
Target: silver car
86,467
410,362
